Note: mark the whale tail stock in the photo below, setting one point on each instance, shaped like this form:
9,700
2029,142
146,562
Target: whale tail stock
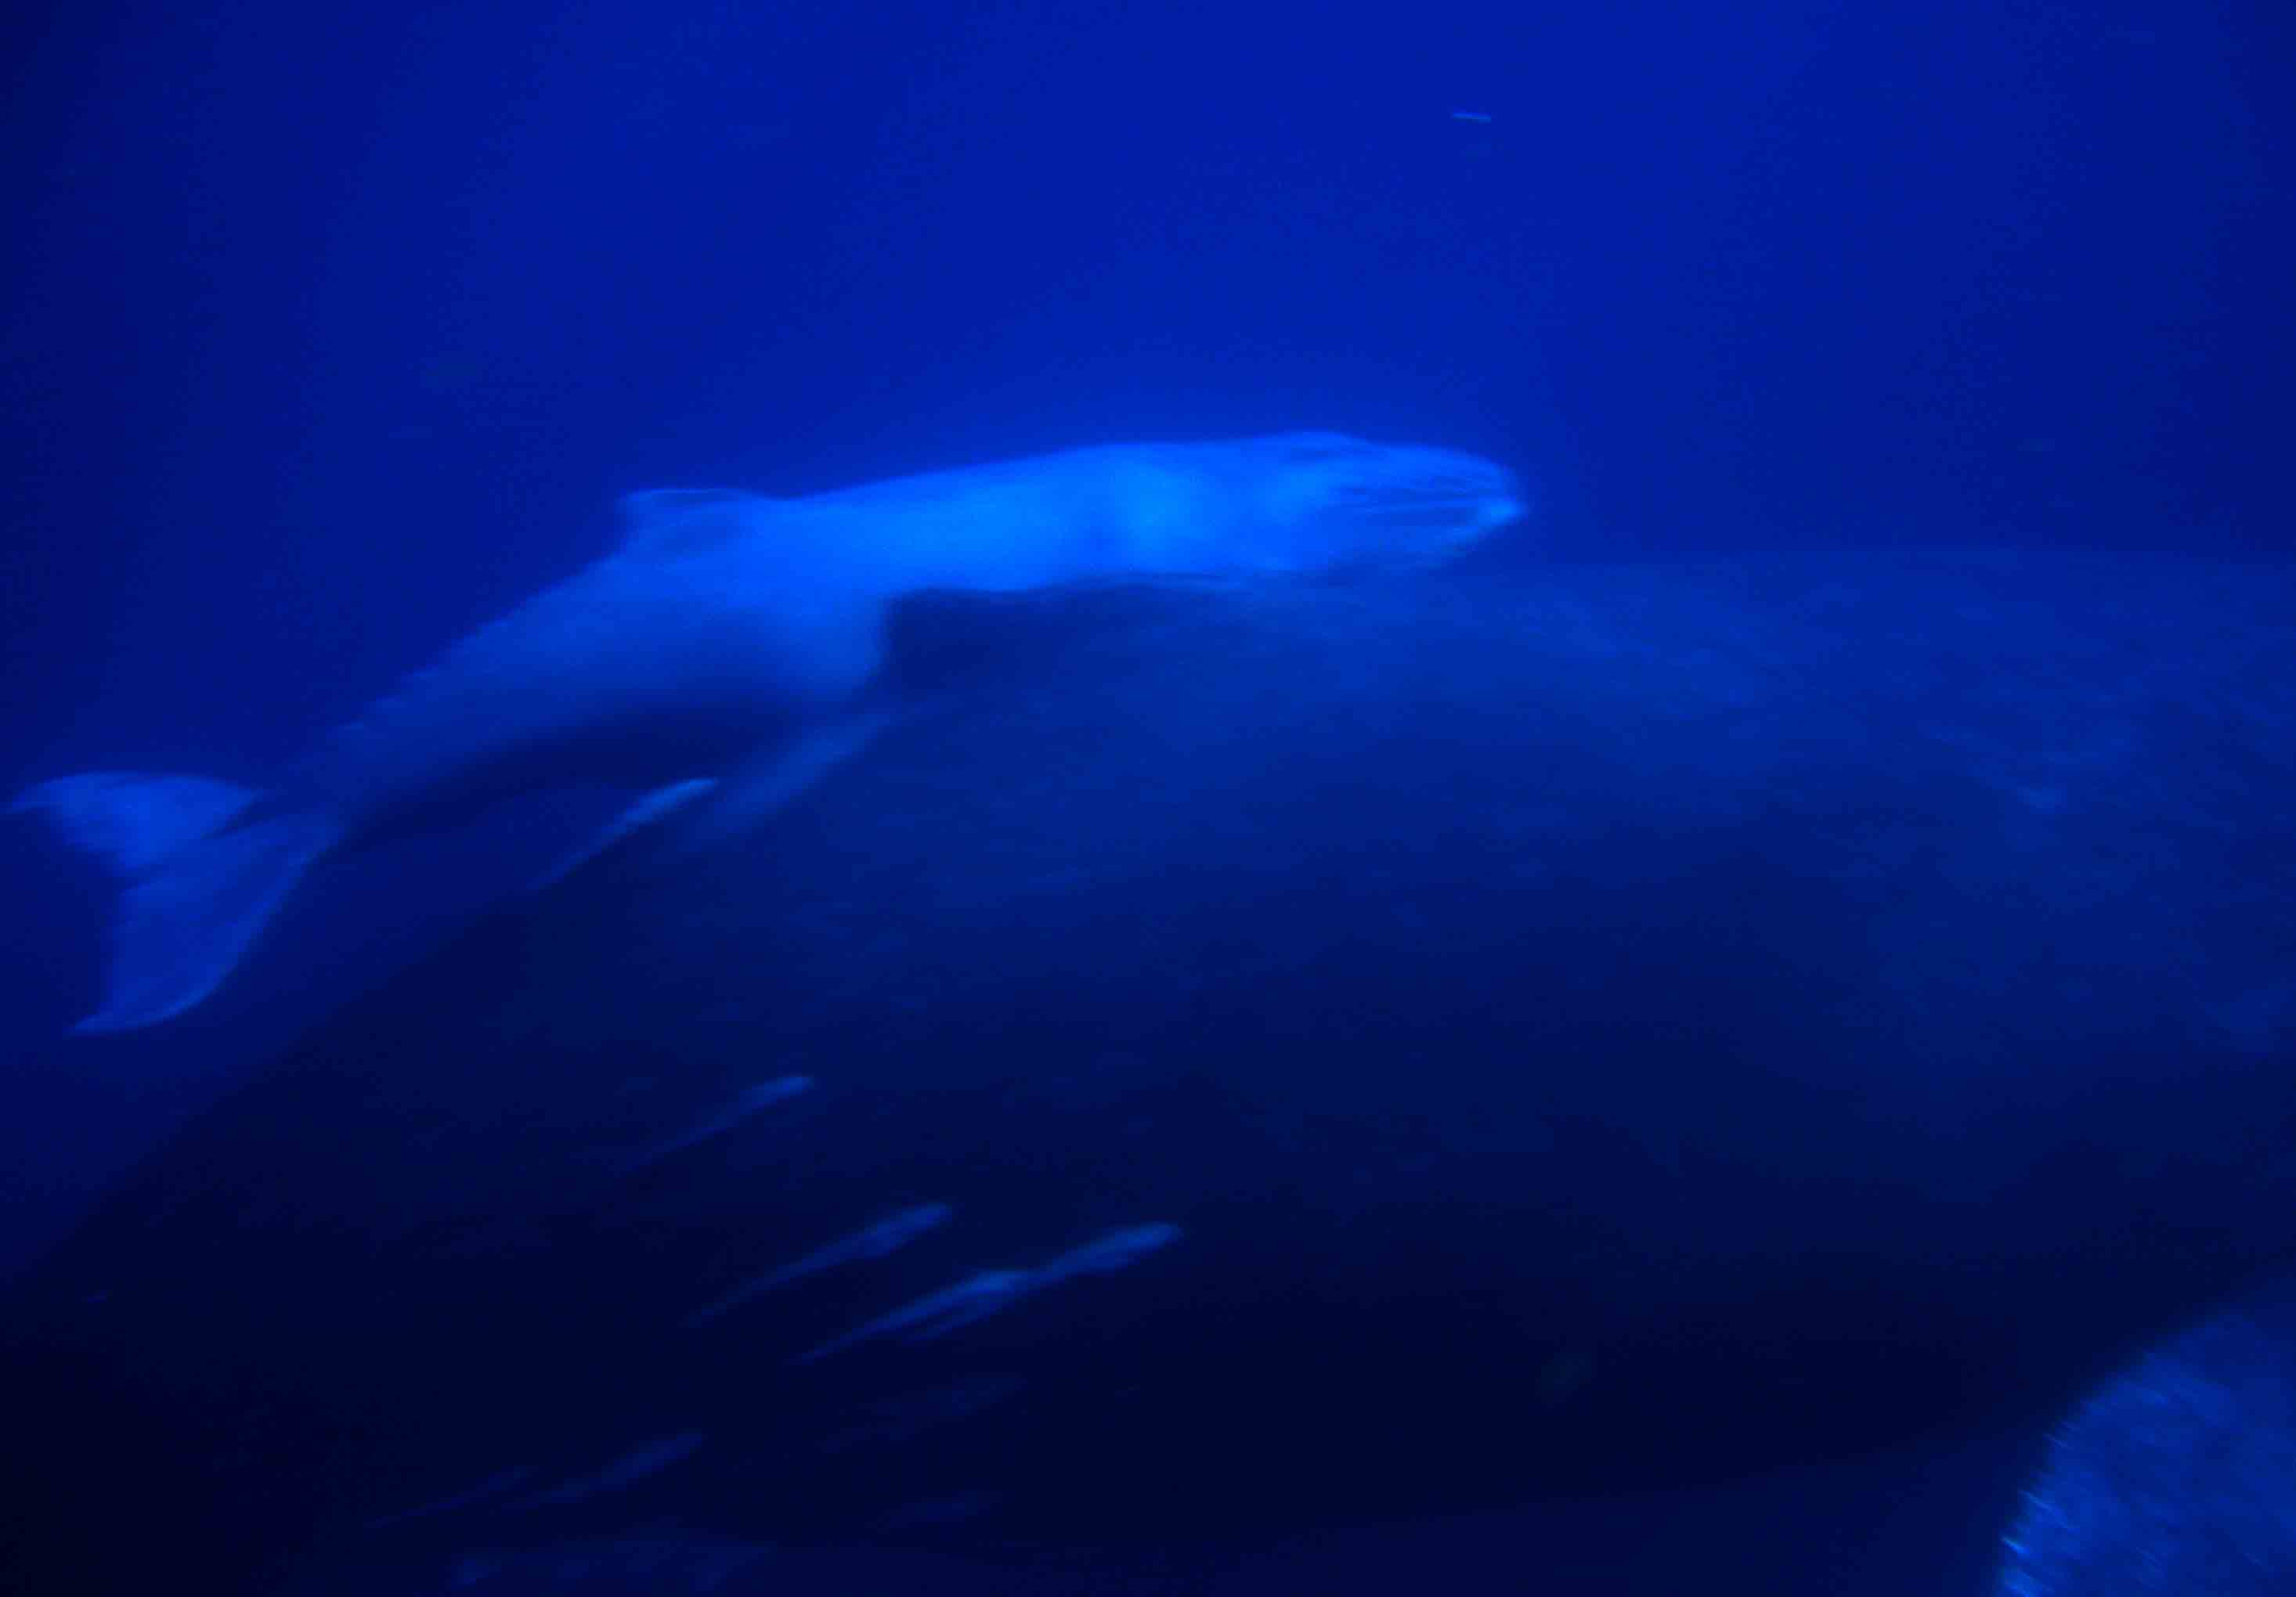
204,866
198,883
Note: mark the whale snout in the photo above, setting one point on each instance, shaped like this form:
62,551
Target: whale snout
1482,499
1509,504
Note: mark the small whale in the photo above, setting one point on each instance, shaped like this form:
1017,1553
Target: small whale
728,640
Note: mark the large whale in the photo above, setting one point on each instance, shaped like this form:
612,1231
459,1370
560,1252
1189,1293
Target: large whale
1591,1042
728,647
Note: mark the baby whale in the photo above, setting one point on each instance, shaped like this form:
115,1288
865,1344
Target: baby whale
728,640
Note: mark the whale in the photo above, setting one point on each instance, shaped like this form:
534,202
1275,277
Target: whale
1706,1061
726,650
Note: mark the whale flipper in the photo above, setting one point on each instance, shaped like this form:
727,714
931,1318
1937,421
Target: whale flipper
645,812
198,886
776,775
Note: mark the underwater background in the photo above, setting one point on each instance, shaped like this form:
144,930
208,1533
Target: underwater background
1677,1053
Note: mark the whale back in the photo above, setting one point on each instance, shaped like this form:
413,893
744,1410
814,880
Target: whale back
723,613
1291,502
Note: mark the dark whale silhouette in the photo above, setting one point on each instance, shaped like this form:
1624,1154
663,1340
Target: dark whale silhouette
1271,1058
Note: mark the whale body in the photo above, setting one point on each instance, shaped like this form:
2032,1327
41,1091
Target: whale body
737,633
1654,1047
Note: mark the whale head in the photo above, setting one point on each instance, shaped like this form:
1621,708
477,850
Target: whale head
1326,501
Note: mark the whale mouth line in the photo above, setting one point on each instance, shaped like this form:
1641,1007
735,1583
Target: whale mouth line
1467,509
1460,507
1430,531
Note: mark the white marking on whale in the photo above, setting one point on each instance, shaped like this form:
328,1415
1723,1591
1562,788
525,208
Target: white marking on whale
736,633
885,1237
986,1292
637,1465
493,1486
746,1106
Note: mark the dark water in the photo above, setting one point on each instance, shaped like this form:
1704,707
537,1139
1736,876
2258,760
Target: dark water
1666,1063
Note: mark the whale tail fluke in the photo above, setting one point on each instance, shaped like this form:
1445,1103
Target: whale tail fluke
198,883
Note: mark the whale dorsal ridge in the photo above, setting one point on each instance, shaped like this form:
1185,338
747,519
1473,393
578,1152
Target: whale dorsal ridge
687,520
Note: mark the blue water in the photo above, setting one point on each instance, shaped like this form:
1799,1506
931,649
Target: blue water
330,335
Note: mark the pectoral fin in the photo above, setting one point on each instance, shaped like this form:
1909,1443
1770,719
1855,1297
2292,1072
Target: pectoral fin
644,812
780,773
